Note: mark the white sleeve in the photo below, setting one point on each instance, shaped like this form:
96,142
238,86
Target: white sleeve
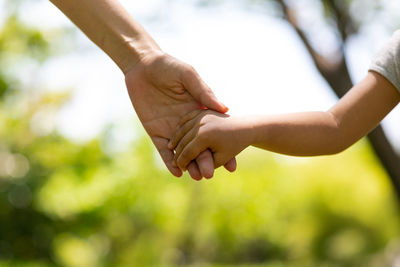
387,62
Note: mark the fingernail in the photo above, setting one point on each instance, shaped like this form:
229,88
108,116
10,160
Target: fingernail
209,175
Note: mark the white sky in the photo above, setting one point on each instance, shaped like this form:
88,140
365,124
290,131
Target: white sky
254,63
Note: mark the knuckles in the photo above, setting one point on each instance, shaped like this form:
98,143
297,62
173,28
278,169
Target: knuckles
183,158
189,71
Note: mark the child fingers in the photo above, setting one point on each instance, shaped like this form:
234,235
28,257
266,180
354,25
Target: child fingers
189,116
183,143
180,133
189,153
194,171
205,162
221,159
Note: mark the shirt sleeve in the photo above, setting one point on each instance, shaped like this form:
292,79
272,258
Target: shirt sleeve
387,61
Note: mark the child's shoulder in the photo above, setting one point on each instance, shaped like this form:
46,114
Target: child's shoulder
395,40
387,61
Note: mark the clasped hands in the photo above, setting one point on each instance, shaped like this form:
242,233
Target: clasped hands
166,92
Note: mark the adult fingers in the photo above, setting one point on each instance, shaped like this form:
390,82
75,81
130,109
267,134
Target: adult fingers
200,91
231,165
194,171
180,133
205,162
183,143
167,155
190,152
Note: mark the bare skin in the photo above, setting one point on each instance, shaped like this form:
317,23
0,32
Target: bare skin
162,88
298,134
161,104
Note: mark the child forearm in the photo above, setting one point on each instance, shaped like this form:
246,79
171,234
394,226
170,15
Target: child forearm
110,27
320,133
299,134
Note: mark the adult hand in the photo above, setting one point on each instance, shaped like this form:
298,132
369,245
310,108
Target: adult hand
162,90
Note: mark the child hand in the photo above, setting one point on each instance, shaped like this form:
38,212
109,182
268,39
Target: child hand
224,135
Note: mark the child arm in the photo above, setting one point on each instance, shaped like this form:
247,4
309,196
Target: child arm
330,132
298,134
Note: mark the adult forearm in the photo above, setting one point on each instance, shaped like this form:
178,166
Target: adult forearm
299,134
111,28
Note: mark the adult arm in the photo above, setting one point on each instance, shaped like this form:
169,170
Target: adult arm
111,28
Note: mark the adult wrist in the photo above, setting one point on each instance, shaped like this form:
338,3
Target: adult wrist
139,52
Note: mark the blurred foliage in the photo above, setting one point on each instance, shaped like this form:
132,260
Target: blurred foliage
15,41
68,204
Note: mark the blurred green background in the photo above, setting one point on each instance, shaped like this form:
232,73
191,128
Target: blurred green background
64,203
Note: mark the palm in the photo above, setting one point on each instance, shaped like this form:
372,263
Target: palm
157,88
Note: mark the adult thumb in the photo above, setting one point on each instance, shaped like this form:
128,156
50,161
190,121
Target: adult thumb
201,92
